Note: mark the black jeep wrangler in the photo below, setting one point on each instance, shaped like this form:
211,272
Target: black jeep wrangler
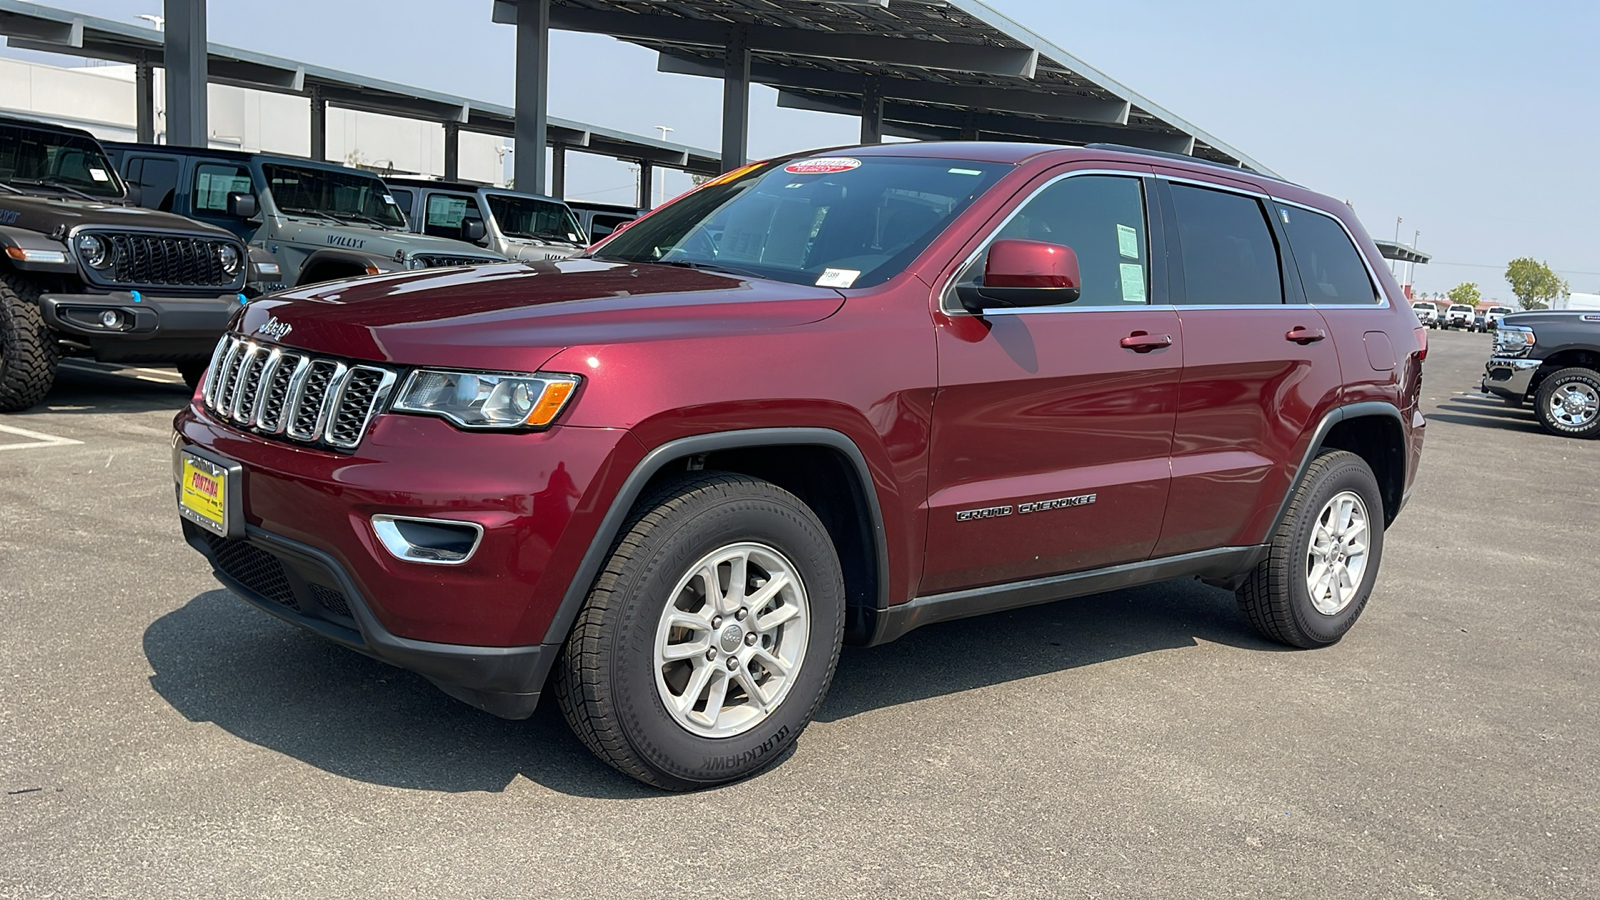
85,272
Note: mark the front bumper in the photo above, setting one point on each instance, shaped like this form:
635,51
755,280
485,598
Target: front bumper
308,551
306,587
1509,377
150,327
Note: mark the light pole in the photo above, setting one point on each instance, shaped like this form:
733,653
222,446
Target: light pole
1411,271
1397,221
665,130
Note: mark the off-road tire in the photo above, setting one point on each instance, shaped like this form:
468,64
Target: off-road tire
1274,598
1548,387
28,353
604,681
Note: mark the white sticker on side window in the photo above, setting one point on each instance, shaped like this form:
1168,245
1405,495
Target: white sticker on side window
838,278
1127,242
99,175
1132,283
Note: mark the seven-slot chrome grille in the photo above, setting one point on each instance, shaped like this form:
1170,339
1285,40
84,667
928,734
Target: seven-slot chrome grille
300,396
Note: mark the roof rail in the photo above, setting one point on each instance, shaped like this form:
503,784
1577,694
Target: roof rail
1184,157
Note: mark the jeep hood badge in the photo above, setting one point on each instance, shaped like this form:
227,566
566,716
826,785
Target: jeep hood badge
275,329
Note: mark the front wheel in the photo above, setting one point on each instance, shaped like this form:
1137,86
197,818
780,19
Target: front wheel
28,353
1323,559
1568,403
710,638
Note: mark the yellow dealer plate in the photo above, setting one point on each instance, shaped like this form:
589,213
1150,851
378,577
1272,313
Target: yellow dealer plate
203,494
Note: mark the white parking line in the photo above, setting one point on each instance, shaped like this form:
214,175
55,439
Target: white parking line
37,439
160,376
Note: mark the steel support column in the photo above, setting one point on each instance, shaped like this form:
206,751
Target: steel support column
735,98
184,56
319,124
144,100
532,94
558,171
872,111
646,176
452,151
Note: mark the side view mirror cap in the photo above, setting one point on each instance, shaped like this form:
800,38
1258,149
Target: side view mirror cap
1023,273
242,205
472,230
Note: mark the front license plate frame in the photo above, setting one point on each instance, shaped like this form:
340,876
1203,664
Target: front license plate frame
219,511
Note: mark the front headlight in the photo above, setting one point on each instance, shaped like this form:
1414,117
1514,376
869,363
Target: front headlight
1513,340
93,251
484,400
228,255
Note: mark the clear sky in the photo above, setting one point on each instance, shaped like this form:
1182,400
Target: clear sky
1478,123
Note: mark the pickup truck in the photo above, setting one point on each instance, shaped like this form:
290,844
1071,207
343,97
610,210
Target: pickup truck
1427,313
1459,315
1552,358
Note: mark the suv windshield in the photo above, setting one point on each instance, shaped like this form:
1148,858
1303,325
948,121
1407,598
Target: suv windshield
525,217
348,196
37,157
836,222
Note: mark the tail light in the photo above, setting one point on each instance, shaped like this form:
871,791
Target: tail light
1422,343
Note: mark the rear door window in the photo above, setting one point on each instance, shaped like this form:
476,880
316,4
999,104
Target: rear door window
1230,256
1330,267
157,179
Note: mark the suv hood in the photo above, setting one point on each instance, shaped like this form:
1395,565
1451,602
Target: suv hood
516,316
43,214
376,241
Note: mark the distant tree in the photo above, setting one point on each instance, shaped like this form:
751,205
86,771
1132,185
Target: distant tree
1535,285
1466,292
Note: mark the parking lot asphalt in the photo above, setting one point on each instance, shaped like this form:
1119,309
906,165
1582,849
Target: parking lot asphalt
159,738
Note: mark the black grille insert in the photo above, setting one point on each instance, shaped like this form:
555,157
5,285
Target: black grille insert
169,260
255,569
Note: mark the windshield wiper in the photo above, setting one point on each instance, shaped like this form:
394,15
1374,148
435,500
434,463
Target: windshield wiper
708,267
363,217
299,211
57,186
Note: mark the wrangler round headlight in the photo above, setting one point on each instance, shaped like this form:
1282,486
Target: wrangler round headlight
93,251
228,255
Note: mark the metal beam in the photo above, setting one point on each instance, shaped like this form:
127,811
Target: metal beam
58,34
185,57
646,173
319,124
257,76
969,125
452,151
995,99
144,101
558,171
532,94
872,111
974,58
735,99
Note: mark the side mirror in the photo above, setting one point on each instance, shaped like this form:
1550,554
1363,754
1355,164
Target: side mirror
472,230
242,205
1023,273
134,196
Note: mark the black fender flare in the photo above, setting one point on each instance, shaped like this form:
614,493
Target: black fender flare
1334,416
363,261
622,504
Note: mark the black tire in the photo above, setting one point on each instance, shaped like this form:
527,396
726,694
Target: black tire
1275,598
1547,388
605,681
192,372
28,352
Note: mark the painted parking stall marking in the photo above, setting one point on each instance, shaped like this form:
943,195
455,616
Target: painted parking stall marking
32,439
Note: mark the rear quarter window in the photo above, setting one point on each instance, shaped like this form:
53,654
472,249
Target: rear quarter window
1331,270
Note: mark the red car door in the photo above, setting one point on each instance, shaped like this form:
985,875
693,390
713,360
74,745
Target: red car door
1260,367
1052,427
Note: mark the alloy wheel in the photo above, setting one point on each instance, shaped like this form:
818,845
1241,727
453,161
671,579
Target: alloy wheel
1337,558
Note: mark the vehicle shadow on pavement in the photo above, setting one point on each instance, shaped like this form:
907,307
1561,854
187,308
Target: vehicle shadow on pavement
1484,412
985,650
80,391
329,707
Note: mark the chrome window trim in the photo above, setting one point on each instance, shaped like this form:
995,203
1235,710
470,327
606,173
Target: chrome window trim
947,291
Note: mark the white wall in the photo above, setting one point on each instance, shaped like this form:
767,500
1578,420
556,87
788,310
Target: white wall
101,100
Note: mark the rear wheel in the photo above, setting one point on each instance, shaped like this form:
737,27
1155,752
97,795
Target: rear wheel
28,353
1324,558
1568,403
710,637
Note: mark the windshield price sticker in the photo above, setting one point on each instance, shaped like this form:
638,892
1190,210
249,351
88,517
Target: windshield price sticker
825,166
838,278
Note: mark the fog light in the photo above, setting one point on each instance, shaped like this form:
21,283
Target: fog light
111,319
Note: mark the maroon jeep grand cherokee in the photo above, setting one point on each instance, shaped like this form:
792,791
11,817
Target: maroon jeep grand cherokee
819,400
